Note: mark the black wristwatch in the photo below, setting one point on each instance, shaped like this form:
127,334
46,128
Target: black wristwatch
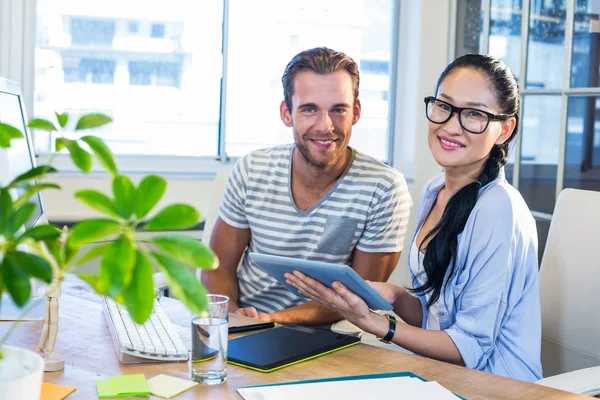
390,335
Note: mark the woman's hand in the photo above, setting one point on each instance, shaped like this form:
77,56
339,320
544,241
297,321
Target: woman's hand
390,292
342,300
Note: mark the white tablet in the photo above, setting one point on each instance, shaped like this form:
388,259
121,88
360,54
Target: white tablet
325,273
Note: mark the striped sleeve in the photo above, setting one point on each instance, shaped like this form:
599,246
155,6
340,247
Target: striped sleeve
233,205
387,221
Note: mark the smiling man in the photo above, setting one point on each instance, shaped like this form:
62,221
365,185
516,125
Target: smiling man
316,199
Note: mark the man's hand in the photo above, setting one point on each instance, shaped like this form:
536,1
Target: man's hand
252,313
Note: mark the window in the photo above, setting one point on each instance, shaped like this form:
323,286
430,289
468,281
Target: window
559,144
157,31
173,97
92,32
361,29
153,73
133,27
88,70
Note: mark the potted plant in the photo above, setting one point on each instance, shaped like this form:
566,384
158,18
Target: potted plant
127,261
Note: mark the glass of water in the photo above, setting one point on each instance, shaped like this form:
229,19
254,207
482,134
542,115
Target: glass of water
209,342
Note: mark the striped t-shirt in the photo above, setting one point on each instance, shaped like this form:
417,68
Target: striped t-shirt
367,208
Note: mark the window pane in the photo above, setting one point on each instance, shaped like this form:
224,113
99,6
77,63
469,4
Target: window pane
469,27
582,159
539,151
155,67
361,29
585,67
505,33
546,52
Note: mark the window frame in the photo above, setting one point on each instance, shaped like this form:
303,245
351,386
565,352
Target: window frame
178,165
566,91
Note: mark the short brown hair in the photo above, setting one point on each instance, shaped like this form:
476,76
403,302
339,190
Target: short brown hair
322,61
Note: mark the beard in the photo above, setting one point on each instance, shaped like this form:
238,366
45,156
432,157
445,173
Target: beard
319,162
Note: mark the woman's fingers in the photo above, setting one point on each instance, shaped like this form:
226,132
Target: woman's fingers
349,297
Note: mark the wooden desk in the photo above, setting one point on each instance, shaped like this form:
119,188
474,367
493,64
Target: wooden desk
85,343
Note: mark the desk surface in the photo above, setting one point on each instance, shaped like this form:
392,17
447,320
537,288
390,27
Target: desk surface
85,343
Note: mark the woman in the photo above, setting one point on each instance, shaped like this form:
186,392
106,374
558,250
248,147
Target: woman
473,259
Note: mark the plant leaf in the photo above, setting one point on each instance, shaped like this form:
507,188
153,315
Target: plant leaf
150,191
92,120
93,253
102,153
139,295
53,246
33,189
5,206
183,284
93,281
124,192
187,250
41,124
174,216
98,201
7,133
62,119
116,268
33,174
80,157
93,229
42,232
16,280
60,143
17,218
34,265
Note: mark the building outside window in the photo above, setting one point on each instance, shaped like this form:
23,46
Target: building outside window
158,69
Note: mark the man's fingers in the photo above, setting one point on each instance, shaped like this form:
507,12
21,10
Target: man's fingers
247,312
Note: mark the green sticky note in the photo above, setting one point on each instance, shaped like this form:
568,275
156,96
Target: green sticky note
123,386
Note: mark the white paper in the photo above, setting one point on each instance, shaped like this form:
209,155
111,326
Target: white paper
399,387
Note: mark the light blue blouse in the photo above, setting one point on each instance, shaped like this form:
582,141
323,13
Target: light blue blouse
491,306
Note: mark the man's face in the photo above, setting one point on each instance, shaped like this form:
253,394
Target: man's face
323,112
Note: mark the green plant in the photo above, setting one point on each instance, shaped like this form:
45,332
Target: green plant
127,260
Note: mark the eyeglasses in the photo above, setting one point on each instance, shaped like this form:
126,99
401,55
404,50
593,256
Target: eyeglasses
471,119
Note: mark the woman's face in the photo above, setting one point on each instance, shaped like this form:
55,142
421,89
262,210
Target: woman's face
451,145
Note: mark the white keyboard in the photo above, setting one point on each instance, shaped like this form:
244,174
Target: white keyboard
155,340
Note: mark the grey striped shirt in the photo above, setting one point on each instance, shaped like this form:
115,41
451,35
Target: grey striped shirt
368,209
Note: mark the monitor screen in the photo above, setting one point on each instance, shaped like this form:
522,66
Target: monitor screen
20,154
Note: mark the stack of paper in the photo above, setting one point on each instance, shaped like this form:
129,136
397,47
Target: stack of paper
123,386
50,391
366,386
168,386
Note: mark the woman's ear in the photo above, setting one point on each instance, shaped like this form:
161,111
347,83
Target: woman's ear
508,127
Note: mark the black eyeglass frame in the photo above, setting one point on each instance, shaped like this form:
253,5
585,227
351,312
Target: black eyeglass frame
459,110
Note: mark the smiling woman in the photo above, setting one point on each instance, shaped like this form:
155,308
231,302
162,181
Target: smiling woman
473,259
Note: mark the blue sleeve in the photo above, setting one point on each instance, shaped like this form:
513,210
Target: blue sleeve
486,277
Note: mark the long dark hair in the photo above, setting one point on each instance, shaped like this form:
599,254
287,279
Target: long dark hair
441,250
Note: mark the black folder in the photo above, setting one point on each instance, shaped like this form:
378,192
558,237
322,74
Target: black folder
284,346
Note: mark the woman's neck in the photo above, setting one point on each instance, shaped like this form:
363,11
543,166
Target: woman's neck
458,177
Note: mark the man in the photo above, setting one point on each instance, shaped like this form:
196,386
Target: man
317,199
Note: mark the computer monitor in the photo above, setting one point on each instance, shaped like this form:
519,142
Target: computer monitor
15,160
20,157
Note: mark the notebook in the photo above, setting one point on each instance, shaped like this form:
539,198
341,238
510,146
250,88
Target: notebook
283,346
377,386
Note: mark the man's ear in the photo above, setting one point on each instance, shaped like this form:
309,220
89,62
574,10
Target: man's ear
508,128
285,114
356,110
